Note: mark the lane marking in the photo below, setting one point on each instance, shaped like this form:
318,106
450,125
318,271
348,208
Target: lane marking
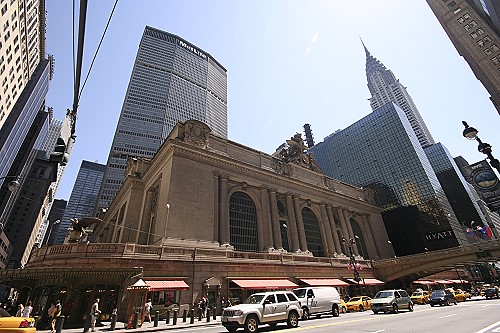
379,331
486,329
454,314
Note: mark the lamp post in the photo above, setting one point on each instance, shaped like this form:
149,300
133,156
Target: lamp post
287,237
50,231
166,223
352,260
483,147
14,184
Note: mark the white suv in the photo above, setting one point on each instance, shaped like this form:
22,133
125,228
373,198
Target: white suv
263,308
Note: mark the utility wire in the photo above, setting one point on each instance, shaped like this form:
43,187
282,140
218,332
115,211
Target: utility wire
98,47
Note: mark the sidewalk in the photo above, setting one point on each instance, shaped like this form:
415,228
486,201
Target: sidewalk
146,327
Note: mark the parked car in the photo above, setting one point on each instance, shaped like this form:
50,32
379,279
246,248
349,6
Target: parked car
391,301
11,324
271,308
491,292
318,300
359,303
420,297
442,297
461,296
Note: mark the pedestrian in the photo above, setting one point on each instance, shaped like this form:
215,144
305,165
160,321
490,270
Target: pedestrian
20,309
27,310
54,315
94,313
147,310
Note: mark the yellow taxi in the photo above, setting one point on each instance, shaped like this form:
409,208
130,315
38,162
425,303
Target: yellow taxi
461,296
420,297
343,308
10,324
359,303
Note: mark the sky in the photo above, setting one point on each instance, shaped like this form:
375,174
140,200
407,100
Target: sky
289,62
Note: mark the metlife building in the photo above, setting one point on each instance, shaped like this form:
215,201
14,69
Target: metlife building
172,81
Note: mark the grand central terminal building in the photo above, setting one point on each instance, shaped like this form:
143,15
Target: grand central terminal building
209,216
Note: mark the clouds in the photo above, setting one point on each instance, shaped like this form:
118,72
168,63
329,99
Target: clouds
314,38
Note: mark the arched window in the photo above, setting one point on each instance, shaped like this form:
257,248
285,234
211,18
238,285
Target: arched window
360,241
313,233
242,223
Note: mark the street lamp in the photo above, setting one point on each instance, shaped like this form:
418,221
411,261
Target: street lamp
352,260
14,184
166,223
483,147
360,246
50,231
287,237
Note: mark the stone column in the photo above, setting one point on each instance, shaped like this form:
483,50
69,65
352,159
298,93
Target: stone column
351,233
327,231
275,222
333,226
300,224
292,225
223,211
345,233
366,218
265,235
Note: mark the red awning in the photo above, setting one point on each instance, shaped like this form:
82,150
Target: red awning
368,281
459,281
325,282
443,281
166,285
424,282
265,284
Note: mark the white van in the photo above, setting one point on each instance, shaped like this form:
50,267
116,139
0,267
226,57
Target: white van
318,300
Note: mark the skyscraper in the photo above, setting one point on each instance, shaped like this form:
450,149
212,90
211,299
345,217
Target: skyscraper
83,198
385,88
172,81
382,152
473,27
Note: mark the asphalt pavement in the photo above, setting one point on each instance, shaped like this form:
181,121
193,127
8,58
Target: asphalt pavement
146,327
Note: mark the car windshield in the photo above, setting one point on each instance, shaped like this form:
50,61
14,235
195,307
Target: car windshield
300,293
354,299
254,299
384,294
438,293
4,313
417,293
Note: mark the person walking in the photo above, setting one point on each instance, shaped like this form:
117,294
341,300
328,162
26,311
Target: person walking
94,313
54,316
27,310
20,309
147,310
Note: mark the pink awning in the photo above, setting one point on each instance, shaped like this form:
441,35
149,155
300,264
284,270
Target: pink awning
368,281
166,285
443,281
265,284
325,282
424,282
459,281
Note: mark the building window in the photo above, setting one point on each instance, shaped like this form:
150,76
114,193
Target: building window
4,9
313,233
495,60
242,223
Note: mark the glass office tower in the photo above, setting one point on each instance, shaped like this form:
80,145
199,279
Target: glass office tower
172,81
83,198
382,152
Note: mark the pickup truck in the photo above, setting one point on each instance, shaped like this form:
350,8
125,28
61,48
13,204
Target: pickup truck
271,308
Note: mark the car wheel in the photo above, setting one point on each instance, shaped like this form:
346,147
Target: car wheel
361,308
251,324
305,314
344,310
335,311
395,308
375,311
293,319
410,306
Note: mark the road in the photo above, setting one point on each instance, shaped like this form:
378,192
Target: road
473,316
